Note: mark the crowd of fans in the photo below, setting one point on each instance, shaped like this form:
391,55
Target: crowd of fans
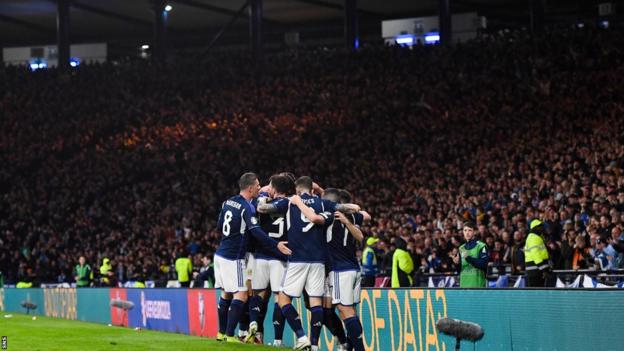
131,161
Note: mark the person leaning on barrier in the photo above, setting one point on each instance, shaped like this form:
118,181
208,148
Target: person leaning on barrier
536,256
473,259
25,278
139,281
205,274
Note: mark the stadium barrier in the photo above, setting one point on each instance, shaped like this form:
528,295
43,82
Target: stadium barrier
582,278
393,319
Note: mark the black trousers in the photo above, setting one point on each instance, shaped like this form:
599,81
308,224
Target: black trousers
368,281
185,284
535,279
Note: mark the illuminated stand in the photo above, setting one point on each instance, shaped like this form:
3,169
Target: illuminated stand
426,30
39,57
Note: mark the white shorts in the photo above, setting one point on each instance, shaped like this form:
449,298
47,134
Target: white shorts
308,276
346,287
230,275
268,272
328,289
250,260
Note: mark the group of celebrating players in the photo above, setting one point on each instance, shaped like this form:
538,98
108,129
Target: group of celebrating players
293,238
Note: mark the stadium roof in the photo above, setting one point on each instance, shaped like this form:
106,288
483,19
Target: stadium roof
194,22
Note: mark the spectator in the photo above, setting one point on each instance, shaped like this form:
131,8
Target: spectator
134,168
581,258
616,247
602,261
447,265
385,250
567,249
496,257
554,252
26,279
205,274
433,262
517,254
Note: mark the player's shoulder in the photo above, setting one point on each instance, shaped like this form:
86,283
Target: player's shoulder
282,203
311,200
328,205
236,202
278,200
327,202
357,218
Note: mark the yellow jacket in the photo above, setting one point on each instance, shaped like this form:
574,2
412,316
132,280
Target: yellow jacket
402,268
183,267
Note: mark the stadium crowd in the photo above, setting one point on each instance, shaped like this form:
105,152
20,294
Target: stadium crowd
130,161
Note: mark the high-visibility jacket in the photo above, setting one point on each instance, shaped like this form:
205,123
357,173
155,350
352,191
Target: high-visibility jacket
402,268
472,276
369,262
183,267
22,285
104,269
535,253
84,274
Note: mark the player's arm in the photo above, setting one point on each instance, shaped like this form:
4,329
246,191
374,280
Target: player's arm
348,208
481,261
267,208
317,190
276,206
220,220
365,216
263,206
307,211
262,237
352,228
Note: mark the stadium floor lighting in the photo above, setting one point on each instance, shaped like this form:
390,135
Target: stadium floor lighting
144,46
168,8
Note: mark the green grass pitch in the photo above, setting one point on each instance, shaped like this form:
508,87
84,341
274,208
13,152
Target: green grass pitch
23,333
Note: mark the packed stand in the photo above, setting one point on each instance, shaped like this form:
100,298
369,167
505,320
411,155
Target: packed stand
131,162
